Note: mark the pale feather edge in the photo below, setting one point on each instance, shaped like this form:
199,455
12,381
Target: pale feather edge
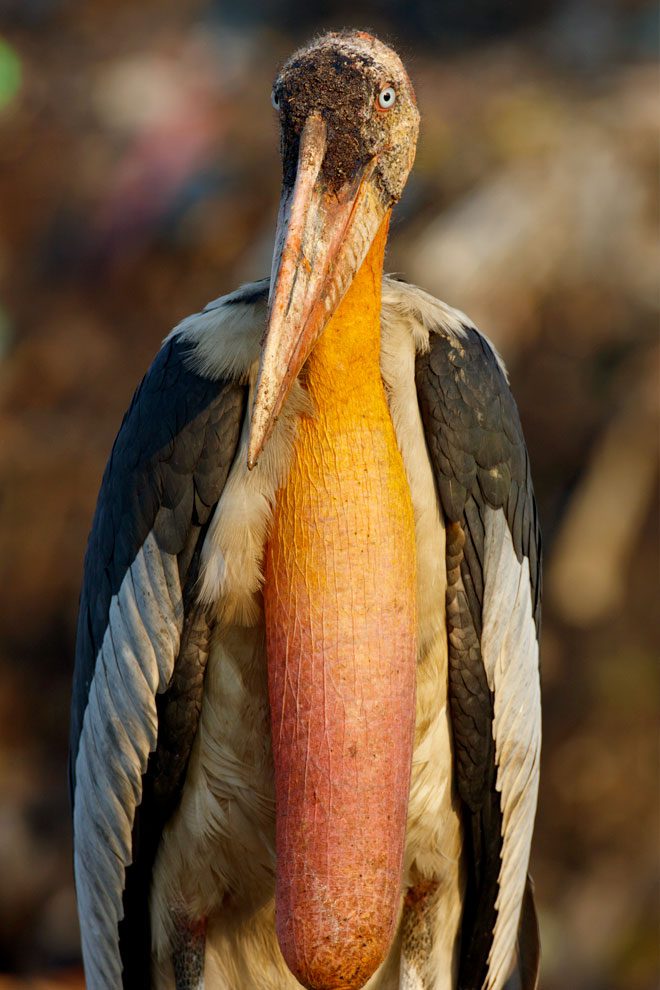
511,658
100,869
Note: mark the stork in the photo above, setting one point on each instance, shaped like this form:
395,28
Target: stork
306,715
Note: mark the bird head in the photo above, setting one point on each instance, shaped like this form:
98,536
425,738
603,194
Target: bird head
349,124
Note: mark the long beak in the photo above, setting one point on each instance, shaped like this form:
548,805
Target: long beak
322,239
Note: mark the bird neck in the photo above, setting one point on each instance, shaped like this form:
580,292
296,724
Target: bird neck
344,366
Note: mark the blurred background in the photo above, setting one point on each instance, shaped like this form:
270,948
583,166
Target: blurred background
139,178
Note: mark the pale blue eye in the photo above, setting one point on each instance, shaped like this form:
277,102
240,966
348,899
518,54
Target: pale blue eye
387,98
275,99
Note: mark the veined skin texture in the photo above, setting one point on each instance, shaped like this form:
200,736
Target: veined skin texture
340,608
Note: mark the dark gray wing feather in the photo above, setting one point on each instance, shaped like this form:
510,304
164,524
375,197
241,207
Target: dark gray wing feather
481,468
141,649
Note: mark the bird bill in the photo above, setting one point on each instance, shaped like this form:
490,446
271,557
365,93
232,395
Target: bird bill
322,239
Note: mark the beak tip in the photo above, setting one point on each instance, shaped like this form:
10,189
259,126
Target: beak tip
252,456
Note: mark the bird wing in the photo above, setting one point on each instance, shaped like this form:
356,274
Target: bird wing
142,639
493,602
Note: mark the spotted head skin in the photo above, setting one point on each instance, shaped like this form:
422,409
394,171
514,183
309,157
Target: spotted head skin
349,124
360,89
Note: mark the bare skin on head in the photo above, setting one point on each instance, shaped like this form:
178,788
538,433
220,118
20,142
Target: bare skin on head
345,161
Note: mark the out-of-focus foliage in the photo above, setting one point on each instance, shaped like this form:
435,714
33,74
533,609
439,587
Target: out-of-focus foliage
139,178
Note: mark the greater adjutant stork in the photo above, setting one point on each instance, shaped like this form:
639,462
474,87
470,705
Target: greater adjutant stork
306,718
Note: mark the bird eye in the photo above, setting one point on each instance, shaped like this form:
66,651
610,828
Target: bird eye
275,99
387,98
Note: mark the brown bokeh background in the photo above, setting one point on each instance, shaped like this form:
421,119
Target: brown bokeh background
139,179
